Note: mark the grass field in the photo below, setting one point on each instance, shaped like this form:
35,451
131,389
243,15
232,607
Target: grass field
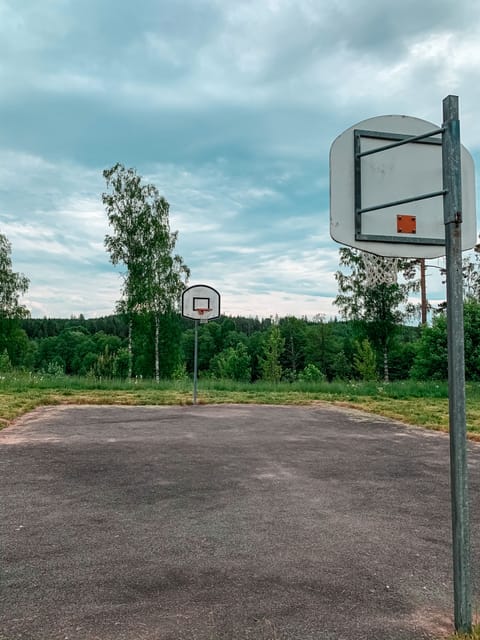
418,403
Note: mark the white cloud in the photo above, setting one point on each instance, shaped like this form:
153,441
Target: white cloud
67,295
275,302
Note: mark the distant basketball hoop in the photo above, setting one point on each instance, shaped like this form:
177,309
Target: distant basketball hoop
200,303
201,313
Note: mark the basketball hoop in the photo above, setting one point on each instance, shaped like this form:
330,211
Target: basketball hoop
201,302
379,270
201,312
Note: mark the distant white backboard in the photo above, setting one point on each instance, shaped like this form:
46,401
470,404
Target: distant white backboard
410,230
201,302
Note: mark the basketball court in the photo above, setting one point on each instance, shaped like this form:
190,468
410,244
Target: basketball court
254,522
226,522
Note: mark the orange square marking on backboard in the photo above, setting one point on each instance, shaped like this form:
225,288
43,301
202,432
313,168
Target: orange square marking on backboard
406,224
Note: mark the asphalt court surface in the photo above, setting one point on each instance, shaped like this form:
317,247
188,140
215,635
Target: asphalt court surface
226,522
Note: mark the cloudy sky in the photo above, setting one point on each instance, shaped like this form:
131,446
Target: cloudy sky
229,107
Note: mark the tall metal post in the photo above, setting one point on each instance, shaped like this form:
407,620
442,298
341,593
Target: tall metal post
195,364
423,291
452,184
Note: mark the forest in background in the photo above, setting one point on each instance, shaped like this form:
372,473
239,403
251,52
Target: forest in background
237,348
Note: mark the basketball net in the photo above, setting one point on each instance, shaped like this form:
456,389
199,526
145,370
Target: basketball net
379,270
200,312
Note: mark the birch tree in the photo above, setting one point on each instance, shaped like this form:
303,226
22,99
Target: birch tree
12,286
164,274
380,307
141,240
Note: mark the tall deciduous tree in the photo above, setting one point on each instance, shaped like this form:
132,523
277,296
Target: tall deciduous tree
380,307
164,274
471,275
142,241
12,286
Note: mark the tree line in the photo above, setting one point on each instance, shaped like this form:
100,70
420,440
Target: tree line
237,348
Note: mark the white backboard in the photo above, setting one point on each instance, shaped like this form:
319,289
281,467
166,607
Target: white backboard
410,230
201,302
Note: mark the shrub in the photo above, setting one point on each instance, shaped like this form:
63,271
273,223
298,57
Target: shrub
365,360
5,363
311,373
233,363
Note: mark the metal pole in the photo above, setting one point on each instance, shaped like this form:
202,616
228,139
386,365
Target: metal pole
452,183
195,364
423,290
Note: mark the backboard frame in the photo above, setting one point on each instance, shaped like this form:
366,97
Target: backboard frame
365,220
201,302
397,139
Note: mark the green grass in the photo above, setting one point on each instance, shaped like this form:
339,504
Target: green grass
475,635
20,393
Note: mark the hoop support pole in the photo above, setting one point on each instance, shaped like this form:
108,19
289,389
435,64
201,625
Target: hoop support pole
452,183
195,363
